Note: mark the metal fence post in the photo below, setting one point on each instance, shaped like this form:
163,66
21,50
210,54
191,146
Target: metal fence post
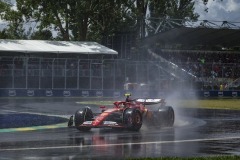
26,67
114,75
13,69
78,74
102,72
53,72
65,74
39,74
90,76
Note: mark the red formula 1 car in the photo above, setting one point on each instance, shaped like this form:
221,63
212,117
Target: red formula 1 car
128,114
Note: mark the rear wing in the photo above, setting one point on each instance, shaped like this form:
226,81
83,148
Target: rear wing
150,101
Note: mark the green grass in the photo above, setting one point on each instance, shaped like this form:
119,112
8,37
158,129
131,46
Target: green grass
193,158
224,103
203,103
211,103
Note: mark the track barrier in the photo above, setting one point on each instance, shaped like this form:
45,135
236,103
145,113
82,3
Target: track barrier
110,93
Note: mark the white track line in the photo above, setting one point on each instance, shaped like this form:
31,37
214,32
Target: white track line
37,113
121,144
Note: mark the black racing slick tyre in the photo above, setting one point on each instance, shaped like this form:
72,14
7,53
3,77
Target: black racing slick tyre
166,115
132,119
81,116
170,117
70,121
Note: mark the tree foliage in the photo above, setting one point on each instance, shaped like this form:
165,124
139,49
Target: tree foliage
15,29
93,19
42,35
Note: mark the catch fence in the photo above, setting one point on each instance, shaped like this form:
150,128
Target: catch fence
67,73
110,74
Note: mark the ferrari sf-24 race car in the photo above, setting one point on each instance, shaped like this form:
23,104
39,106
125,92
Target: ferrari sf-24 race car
128,114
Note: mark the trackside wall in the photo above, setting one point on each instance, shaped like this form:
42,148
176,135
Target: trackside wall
111,93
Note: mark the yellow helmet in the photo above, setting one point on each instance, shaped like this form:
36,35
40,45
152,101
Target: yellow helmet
127,94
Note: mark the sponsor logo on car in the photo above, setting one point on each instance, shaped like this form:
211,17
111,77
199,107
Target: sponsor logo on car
87,122
149,100
109,123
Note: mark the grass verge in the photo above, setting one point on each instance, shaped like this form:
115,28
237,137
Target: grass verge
233,104
193,158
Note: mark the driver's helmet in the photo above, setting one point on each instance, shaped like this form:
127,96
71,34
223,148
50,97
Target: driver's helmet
127,95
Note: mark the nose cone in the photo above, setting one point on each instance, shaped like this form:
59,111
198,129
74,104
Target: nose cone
98,121
95,123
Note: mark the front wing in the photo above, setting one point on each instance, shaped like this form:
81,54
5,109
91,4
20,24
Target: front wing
104,124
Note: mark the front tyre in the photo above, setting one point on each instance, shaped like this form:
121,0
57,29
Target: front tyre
132,119
70,121
81,116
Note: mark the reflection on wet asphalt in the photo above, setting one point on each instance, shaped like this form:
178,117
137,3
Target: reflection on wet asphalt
196,132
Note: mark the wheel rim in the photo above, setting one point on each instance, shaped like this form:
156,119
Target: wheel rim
130,121
137,119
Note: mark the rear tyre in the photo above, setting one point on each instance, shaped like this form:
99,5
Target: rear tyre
170,117
166,116
132,119
81,116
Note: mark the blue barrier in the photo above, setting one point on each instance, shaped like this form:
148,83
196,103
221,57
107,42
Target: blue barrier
109,93
59,93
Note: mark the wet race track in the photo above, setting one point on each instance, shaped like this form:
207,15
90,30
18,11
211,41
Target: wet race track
196,132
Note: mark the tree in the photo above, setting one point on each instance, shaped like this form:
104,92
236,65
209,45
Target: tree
111,17
93,19
3,34
74,19
14,28
47,14
42,35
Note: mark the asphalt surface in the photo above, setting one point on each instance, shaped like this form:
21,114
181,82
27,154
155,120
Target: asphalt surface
196,132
